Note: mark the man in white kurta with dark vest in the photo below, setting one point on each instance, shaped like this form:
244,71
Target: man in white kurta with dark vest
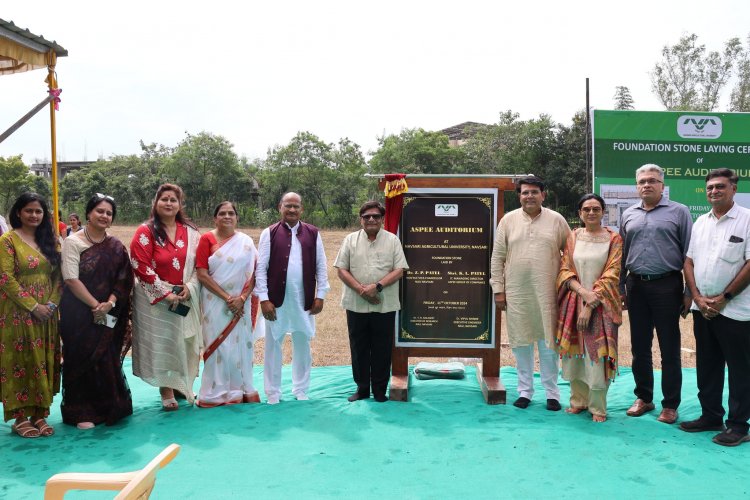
291,282
523,270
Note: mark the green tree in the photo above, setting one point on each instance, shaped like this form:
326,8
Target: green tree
132,180
209,171
416,151
512,146
78,186
623,99
554,152
14,180
351,188
566,174
740,97
38,184
689,78
328,177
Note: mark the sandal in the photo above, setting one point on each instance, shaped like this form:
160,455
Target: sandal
85,425
251,398
25,430
45,429
169,404
599,418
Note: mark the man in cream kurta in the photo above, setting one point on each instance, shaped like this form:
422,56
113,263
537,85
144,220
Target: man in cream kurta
524,267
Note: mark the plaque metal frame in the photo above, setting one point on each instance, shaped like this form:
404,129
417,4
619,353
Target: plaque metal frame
488,370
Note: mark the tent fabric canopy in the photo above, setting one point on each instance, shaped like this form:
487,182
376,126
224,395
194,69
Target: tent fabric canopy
21,50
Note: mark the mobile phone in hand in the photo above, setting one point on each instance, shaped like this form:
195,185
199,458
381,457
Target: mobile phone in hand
110,321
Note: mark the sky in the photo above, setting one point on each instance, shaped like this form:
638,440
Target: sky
259,72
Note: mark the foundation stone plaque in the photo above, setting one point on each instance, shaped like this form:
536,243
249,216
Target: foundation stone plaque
446,297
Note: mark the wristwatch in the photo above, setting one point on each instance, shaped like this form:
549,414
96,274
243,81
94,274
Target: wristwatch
378,287
728,296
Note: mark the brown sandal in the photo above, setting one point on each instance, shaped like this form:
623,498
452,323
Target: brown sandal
251,398
45,429
25,430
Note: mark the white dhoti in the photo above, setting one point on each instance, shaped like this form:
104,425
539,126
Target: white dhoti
291,318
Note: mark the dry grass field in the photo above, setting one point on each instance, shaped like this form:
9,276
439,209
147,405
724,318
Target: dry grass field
331,344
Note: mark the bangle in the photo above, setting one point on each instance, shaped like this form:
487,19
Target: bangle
244,299
51,305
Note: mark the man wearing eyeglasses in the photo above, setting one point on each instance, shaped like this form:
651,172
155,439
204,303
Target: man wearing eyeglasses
655,234
370,263
291,281
717,271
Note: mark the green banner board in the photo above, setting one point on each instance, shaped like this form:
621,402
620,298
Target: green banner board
687,145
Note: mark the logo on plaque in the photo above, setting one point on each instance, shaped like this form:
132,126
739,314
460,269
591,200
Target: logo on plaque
446,210
446,299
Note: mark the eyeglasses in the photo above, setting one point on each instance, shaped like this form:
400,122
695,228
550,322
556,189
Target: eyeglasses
371,216
104,197
650,182
594,210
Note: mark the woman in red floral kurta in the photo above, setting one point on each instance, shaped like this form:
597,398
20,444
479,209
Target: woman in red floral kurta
30,287
166,345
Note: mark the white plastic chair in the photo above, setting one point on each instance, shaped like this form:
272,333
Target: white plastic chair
131,485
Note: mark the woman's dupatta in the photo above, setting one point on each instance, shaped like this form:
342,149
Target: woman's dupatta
600,339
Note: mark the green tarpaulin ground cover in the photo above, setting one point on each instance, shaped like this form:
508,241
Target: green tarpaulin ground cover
446,442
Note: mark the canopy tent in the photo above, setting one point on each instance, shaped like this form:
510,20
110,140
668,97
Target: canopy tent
21,50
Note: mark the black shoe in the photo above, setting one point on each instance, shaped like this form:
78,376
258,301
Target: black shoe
380,398
357,396
701,425
730,437
522,403
553,405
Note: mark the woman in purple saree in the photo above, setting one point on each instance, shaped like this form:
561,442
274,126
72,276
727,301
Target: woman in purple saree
94,321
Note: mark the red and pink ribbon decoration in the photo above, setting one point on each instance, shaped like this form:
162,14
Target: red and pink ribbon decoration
55,93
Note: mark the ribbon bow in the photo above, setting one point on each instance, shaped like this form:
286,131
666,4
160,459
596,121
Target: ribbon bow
55,93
